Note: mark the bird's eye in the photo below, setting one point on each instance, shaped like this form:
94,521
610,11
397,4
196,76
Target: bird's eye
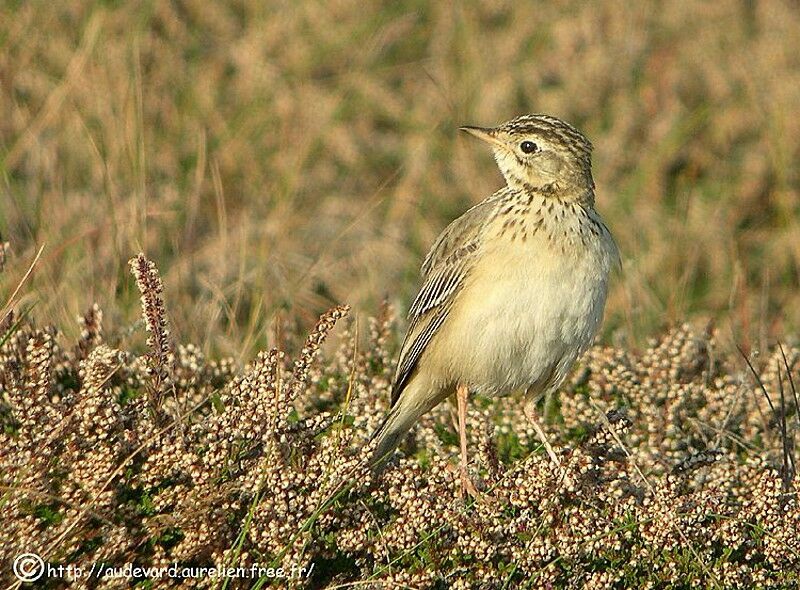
528,147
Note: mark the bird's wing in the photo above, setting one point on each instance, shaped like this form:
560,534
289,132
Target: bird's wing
444,270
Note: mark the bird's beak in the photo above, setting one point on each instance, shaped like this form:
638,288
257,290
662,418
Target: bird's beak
484,133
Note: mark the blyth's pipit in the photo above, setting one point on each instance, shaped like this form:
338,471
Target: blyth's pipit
513,290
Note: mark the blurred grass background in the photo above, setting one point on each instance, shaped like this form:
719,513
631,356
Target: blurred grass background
277,157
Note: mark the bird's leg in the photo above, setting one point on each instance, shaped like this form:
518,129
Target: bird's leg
530,414
453,405
462,393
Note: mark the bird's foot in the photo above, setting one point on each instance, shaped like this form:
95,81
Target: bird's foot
468,488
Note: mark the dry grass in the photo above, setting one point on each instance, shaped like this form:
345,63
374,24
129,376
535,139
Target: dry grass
678,467
289,156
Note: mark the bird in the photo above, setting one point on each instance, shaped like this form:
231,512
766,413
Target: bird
513,290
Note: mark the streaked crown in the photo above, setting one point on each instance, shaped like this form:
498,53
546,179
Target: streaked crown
539,150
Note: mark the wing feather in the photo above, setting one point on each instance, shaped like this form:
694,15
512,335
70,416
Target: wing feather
445,268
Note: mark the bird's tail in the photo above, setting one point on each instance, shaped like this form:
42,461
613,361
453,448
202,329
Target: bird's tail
388,436
399,421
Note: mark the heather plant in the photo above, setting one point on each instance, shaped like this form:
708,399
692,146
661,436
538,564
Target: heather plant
677,464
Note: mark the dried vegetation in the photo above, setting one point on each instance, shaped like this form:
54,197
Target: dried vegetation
677,464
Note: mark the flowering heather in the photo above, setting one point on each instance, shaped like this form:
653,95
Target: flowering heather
674,465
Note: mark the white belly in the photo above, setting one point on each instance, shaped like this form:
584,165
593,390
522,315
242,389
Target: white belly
525,315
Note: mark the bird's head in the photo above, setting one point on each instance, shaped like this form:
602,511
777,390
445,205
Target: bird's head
539,150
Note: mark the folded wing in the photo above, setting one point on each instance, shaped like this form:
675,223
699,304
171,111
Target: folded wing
445,268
